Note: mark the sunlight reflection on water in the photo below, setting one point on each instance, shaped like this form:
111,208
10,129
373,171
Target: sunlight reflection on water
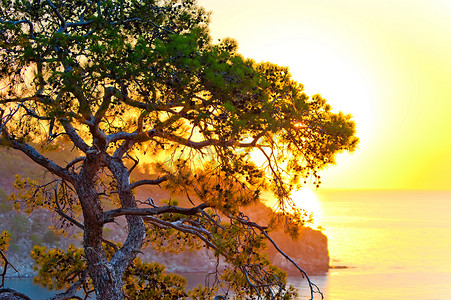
396,243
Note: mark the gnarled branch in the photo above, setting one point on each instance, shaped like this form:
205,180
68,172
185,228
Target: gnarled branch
73,135
108,216
40,159
148,182
58,14
28,22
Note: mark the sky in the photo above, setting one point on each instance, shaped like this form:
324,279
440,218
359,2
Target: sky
386,62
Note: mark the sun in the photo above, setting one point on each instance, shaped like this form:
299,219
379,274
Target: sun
307,199
304,198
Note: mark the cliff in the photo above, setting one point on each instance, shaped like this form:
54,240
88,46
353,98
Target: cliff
309,250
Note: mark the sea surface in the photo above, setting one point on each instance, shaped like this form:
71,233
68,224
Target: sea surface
393,245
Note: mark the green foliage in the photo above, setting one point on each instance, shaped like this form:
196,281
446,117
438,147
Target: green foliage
4,240
201,292
58,269
150,281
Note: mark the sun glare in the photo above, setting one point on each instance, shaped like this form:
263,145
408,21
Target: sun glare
299,124
307,199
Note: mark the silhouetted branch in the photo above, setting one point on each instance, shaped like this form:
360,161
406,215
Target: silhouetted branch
33,113
28,22
5,267
200,232
58,14
73,135
4,119
304,274
313,287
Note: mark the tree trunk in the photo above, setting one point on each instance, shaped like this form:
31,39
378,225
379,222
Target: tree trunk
136,229
107,281
107,275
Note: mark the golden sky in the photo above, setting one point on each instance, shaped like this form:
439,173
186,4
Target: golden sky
387,62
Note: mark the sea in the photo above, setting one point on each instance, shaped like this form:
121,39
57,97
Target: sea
383,245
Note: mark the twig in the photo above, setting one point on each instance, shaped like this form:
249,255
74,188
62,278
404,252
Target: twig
76,160
58,14
5,267
311,284
70,292
313,287
79,225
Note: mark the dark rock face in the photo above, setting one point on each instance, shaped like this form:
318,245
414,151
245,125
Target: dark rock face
309,251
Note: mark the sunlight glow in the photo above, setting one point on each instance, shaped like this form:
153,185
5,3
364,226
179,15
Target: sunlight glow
307,199
387,63
299,125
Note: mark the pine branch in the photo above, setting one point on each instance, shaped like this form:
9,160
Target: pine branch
148,182
109,216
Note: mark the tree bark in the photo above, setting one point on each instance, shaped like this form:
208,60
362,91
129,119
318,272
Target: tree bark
107,275
136,229
106,280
